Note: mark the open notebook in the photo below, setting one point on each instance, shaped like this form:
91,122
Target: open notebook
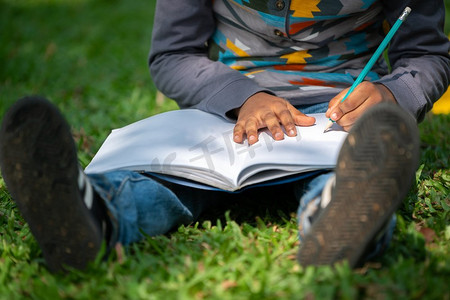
196,148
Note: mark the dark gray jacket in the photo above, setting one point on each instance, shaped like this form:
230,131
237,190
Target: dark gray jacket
214,56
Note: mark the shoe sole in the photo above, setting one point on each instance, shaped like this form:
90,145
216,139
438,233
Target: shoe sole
40,167
375,169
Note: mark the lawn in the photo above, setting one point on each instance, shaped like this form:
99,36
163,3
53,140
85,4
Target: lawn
90,58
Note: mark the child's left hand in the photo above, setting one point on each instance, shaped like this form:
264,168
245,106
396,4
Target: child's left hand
363,97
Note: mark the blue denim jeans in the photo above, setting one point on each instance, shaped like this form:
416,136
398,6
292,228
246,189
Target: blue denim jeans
143,205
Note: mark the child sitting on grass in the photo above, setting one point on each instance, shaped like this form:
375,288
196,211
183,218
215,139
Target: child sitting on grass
264,64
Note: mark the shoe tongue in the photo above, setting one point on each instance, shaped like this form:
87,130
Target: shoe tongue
95,204
85,189
327,191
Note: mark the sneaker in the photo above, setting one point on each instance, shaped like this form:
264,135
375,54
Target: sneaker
40,167
375,169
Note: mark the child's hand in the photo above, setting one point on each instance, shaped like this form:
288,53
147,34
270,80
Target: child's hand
363,97
264,110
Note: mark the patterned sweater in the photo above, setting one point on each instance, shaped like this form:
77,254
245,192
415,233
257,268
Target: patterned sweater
213,55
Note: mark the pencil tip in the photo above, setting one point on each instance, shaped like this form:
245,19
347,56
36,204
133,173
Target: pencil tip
328,126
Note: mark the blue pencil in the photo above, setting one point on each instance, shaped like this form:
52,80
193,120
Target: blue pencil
374,57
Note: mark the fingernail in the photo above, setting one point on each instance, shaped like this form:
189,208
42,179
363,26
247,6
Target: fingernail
251,139
334,116
291,132
278,135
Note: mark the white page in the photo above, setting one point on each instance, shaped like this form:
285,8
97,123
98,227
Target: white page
167,143
310,149
184,141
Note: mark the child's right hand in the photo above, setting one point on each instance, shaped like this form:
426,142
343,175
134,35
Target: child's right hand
263,110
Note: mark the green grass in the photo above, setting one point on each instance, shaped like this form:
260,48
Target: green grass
89,57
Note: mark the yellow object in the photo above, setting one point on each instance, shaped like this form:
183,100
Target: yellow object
442,106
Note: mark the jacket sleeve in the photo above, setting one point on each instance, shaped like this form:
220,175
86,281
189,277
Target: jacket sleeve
179,64
419,55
